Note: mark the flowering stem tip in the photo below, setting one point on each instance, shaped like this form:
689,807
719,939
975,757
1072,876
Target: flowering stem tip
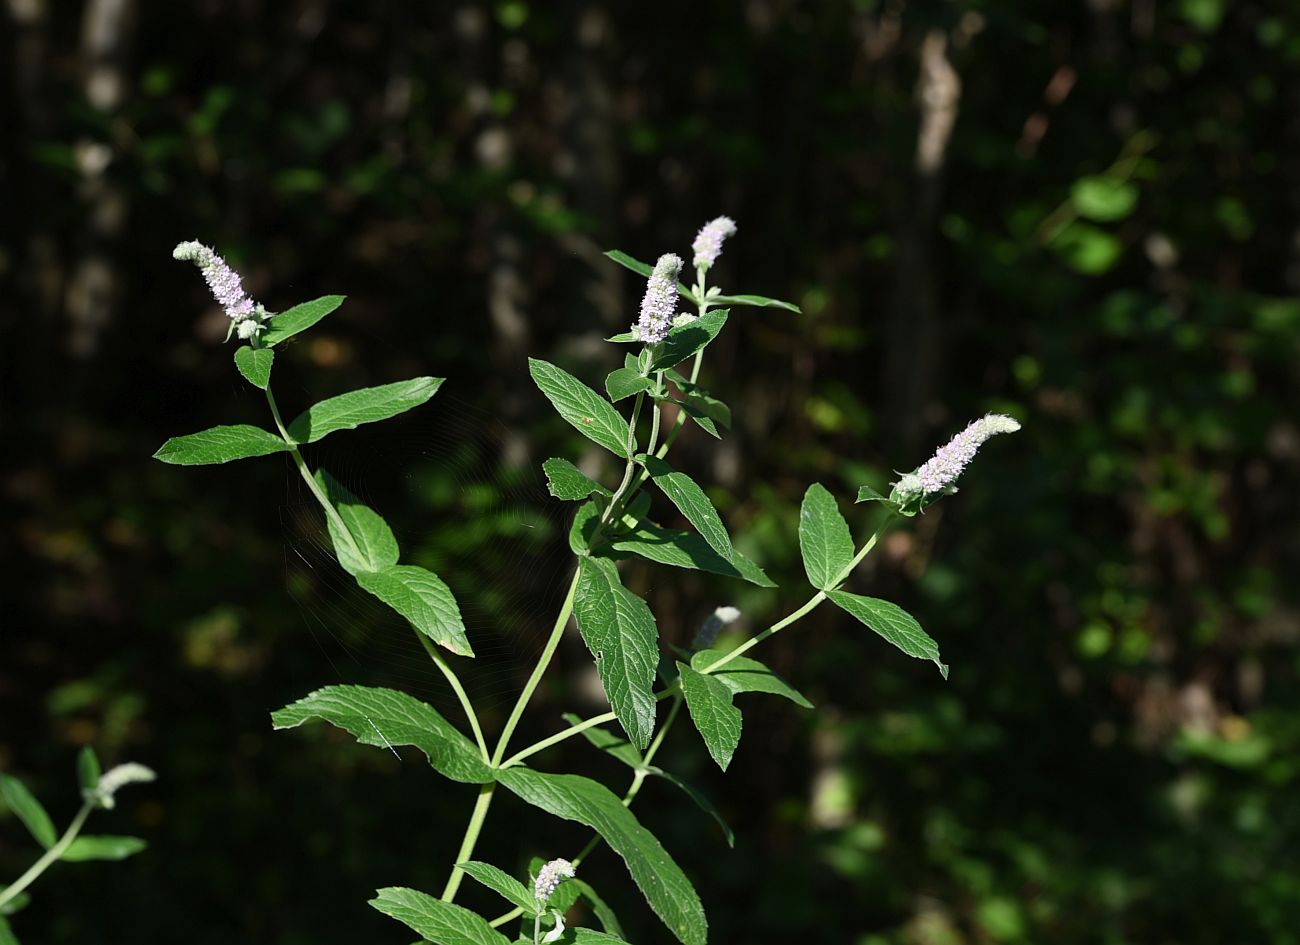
660,302
227,288
938,474
708,242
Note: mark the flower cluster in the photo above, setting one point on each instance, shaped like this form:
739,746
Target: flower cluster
550,876
708,242
114,779
707,635
246,317
940,471
660,302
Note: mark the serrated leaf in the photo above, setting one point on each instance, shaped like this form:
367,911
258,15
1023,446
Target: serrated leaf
385,718
659,878
691,502
220,445
28,809
444,923
103,847
583,528
581,407
644,269
756,301
700,800
422,598
617,746
715,718
824,538
502,883
368,405
624,382
255,365
88,769
620,632
299,318
684,340
681,549
604,915
566,481
742,674
868,494
376,545
893,623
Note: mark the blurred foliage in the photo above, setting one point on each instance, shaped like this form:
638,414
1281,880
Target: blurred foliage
1110,253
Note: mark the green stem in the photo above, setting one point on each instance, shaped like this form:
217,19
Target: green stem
52,855
462,696
472,830
545,743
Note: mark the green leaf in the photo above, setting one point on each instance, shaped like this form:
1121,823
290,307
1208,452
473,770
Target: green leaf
742,674
503,883
604,914
348,411
583,528
624,337
702,420
692,502
824,538
620,632
584,409
566,481
422,598
645,269
700,800
705,404
1104,199
680,549
607,741
374,540
625,382
893,623
868,494
756,301
28,809
299,318
385,718
441,922
7,936
660,879
220,445
88,769
715,718
102,848
684,340
255,365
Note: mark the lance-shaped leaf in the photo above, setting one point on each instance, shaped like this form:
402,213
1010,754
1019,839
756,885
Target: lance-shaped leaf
102,848
824,537
422,598
255,365
715,718
684,340
644,269
702,802
373,546
502,883
659,878
680,549
692,502
386,717
220,445
368,405
444,923
893,623
299,318
624,382
28,809
616,745
620,632
584,409
756,301
742,674
566,481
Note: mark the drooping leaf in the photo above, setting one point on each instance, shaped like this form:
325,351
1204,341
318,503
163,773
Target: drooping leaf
620,632
684,340
700,800
868,494
824,538
687,550
375,545
102,848
691,502
220,445
566,481
255,365
88,769
422,598
502,883
385,718
299,318
702,402
624,382
743,674
893,623
659,878
604,914
368,405
702,420
443,923
583,528
617,746
644,269
581,407
715,718
757,301
28,809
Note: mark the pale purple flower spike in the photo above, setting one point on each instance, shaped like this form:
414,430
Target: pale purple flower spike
227,288
550,876
708,243
941,471
660,302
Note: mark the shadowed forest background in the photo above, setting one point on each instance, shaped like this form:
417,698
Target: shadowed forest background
1085,214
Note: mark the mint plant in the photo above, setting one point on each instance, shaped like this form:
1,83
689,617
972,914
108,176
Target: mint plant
98,792
613,521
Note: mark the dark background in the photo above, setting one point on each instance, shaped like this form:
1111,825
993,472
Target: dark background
1086,214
